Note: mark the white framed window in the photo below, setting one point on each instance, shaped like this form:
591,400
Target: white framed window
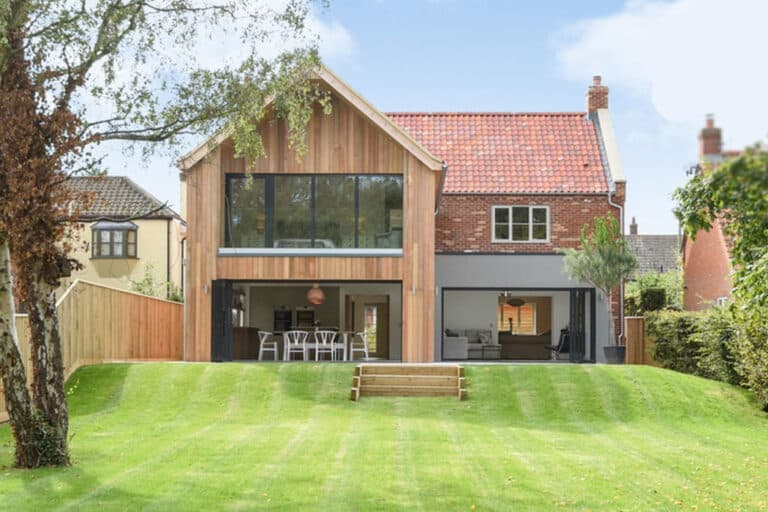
520,224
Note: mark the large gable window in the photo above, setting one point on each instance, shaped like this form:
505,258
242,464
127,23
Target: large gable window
113,240
325,212
520,223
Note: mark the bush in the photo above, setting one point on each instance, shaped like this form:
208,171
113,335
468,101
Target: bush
653,299
699,343
671,282
674,346
716,335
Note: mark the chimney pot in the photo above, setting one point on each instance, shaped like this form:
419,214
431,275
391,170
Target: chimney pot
710,121
596,80
633,227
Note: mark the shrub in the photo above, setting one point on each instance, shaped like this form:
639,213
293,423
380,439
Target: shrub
671,281
653,299
715,336
699,343
672,333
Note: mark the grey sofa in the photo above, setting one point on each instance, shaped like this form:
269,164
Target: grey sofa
470,344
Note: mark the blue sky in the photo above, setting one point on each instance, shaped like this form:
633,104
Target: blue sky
665,63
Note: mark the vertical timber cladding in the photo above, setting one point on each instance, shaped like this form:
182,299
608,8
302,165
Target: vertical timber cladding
345,142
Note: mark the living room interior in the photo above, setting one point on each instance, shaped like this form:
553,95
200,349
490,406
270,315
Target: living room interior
506,325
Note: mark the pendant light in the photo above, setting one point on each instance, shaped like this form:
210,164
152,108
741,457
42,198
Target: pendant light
315,295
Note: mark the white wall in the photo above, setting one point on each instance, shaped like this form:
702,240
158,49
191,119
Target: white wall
472,309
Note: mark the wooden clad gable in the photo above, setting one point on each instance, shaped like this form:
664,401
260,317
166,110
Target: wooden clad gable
348,141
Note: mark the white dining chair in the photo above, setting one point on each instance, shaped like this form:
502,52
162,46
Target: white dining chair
341,344
324,342
359,344
295,342
267,344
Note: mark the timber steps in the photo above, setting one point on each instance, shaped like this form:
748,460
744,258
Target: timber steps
408,380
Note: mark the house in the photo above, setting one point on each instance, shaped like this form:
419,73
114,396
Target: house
436,233
654,253
126,230
707,259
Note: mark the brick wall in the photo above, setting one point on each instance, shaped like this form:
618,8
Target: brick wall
464,221
706,270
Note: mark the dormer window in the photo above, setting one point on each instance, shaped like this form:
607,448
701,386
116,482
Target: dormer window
521,224
114,240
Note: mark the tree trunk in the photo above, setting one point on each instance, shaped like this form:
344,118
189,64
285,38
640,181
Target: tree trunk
48,372
17,400
609,298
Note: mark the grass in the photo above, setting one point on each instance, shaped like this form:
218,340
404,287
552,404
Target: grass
285,437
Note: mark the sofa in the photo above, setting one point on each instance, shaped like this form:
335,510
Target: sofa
470,344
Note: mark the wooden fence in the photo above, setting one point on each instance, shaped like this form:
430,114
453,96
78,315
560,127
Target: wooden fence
100,324
638,345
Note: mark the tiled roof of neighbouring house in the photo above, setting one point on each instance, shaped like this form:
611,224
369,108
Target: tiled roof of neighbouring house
118,197
655,253
492,153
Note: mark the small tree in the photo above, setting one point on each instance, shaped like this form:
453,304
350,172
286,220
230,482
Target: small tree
604,260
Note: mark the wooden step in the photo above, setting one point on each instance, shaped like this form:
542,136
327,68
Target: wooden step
409,380
378,390
409,369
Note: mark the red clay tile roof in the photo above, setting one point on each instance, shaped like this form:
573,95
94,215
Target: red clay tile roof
492,153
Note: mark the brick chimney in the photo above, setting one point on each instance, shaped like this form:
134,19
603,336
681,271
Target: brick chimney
597,95
633,227
710,142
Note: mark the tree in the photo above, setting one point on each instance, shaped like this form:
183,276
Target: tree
604,260
75,73
670,281
736,194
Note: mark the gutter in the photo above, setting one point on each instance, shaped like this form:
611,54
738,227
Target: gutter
440,188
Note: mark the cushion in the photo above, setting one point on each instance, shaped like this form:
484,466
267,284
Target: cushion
451,333
484,338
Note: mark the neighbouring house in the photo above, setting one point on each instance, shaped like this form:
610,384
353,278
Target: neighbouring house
126,231
654,253
707,265
435,233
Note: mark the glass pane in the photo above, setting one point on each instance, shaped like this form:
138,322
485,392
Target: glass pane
117,236
539,215
520,232
539,231
103,236
131,237
104,250
370,322
293,211
247,213
381,212
520,214
131,250
117,249
501,215
335,211
502,232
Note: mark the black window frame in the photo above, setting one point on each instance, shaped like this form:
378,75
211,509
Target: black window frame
96,243
269,204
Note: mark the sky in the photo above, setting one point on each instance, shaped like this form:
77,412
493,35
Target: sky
667,64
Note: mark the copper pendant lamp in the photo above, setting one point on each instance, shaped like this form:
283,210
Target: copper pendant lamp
315,295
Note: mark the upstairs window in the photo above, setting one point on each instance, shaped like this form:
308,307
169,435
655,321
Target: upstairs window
114,240
521,224
323,211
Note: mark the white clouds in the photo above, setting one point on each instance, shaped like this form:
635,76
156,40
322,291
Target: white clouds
689,57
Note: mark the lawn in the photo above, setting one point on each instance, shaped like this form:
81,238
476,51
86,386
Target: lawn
285,437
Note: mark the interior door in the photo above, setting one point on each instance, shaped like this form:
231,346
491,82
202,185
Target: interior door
371,313
221,324
577,326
